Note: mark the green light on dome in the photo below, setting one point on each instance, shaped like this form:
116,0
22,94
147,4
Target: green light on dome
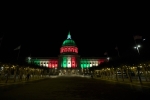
68,41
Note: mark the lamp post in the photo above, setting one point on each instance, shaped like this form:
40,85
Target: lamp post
137,47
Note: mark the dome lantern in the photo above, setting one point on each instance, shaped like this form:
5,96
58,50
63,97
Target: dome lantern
69,41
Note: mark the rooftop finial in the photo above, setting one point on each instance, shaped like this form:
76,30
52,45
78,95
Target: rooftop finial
69,36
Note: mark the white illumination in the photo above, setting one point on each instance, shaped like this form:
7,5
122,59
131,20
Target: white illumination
108,58
69,62
29,58
90,63
138,46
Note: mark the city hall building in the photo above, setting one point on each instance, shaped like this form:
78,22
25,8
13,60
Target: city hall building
68,61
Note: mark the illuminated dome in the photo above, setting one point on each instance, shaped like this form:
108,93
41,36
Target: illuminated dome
69,46
69,41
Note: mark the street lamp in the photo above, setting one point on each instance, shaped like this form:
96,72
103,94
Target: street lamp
108,58
137,47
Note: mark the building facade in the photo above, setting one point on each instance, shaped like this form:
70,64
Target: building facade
69,61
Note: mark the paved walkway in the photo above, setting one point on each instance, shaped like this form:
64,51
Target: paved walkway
126,81
73,88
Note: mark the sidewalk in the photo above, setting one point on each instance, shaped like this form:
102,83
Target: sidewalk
126,81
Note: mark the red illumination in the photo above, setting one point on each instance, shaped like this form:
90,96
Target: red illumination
100,61
65,49
76,50
69,50
72,49
53,63
73,62
56,63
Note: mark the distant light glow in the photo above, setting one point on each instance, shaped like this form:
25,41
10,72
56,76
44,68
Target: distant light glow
108,58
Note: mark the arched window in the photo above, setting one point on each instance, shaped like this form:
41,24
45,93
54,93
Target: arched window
69,50
63,50
72,49
76,50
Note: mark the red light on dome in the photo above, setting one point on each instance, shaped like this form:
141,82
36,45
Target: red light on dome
65,49
76,51
61,50
71,49
68,49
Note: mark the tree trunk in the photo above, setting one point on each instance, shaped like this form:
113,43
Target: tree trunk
122,74
116,74
145,73
128,75
138,69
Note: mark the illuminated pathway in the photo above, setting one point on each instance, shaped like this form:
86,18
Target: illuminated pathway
73,88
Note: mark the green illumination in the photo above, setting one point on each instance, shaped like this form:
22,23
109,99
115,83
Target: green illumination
64,62
68,41
88,64
81,63
85,63
37,62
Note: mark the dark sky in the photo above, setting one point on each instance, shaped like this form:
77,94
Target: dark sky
95,31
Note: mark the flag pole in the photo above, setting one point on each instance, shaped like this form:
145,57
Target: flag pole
118,53
18,54
117,50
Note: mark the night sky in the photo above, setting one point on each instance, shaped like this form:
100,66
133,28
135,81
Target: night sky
42,32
